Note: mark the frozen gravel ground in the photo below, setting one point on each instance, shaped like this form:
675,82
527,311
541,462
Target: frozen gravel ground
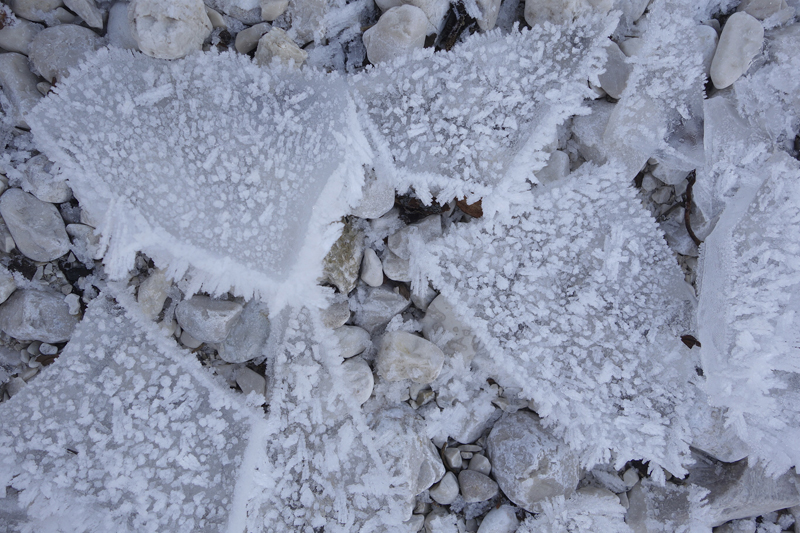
483,266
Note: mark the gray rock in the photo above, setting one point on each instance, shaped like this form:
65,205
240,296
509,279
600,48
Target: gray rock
500,520
189,341
7,284
19,86
741,39
337,313
377,306
250,381
343,262
54,51
87,10
452,456
36,226
272,9
31,314
18,38
248,334
207,319
427,229
480,463
446,491
399,31
118,28
247,39
476,487
169,30
371,268
353,340
403,355
85,243
396,268
762,9
530,464
277,44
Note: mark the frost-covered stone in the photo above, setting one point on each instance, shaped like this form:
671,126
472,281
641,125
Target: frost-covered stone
36,226
741,39
17,38
247,39
252,224
531,290
87,10
371,268
153,293
445,491
86,243
343,262
399,31
615,78
207,319
489,11
247,336
19,86
353,340
169,30
359,379
31,314
557,168
476,487
119,29
562,11
54,51
244,11
403,355
441,320
277,44
272,9
707,39
500,520
37,179
377,198
427,229
337,313
182,453
529,464
35,10
7,284
762,9
377,306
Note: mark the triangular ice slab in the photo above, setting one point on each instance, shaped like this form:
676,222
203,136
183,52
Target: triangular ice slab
209,164
326,461
125,432
474,121
581,305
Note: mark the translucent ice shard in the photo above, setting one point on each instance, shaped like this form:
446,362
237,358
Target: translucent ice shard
749,314
473,121
581,305
124,432
209,165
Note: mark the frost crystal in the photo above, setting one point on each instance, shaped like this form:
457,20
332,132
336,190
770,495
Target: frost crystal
749,314
210,164
125,432
580,304
471,121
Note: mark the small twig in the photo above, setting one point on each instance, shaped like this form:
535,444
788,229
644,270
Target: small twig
687,207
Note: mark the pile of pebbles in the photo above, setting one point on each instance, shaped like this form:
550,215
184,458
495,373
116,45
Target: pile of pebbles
51,258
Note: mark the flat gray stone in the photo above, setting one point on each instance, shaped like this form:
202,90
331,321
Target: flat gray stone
36,226
35,315
476,487
207,319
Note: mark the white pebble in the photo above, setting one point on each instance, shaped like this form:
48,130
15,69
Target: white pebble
277,43
615,78
353,340
7,284
35,10
19,86
54,51
74,303
500,520
395,268
452,456
119,31
36,226
87,10
405,356
247,39
481,464
399,31
207,319
371,268
741,39
272,9
251,381
630,477
359,379
18,38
